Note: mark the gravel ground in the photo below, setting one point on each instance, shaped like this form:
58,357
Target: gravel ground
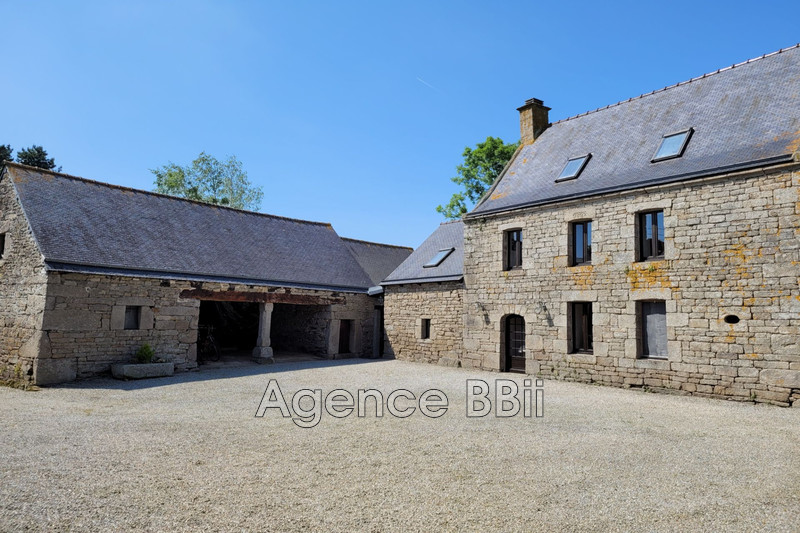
187,453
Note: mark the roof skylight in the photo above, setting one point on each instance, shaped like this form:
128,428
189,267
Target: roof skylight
573,167
673,145
437,259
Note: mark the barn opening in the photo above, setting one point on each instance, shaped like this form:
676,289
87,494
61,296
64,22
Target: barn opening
227,331
300,331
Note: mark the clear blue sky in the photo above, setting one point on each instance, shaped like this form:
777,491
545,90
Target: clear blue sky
354,113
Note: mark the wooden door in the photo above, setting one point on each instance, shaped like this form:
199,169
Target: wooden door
515,343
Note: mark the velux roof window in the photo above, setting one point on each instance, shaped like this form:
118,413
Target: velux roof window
573,168
437,259
673,145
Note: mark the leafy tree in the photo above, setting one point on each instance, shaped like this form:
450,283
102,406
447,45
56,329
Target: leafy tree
206,179
36,156
481,167
6,153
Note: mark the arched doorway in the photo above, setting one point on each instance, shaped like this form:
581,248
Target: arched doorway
514,343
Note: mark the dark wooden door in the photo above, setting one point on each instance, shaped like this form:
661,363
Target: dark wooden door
344,336
515,344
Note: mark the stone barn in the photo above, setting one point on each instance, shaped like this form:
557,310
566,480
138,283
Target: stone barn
90,272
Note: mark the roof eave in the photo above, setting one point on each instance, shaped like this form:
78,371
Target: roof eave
776,160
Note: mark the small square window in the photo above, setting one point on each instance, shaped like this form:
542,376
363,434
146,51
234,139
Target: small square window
581,243
673,145
2,245
513,249
573,168
133,314
581,327
437,259
651,235
425,329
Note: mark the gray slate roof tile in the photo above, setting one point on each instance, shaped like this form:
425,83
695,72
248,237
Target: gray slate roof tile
377,260
100,226
447,235
742,116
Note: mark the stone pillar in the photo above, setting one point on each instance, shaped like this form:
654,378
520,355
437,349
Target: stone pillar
262,353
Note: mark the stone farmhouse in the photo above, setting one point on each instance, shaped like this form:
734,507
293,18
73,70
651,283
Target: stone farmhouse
89,272
651,243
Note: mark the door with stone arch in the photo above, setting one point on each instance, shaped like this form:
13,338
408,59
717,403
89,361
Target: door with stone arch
514,343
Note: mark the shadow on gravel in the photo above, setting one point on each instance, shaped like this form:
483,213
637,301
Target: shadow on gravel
204,374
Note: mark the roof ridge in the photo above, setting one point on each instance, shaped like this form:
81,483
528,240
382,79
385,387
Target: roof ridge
681,83
377,243
161,195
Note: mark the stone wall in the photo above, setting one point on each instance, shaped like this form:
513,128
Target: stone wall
22,291
300,328
404,308
732,248
84,321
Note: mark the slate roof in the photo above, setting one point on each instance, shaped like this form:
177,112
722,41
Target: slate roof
377,260
87,226
743,116
447,235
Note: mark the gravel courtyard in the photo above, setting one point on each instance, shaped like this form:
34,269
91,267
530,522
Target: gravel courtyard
187,453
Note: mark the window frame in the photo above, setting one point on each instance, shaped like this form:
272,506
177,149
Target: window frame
3,242
653,240
581,336
577,173
444,252
425,329
138,310
688,135
508,240
641,327
587,244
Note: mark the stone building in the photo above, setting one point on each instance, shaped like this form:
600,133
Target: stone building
89,272
651,243
424,300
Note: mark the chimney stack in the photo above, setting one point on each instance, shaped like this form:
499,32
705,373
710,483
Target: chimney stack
533,120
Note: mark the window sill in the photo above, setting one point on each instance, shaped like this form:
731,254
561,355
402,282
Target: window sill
650,259
515,273
574,265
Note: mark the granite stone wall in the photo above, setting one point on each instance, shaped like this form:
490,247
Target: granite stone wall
732,248
405,306
22,291
84,322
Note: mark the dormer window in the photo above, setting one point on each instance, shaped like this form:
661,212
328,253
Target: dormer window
673,145
437,259
573,168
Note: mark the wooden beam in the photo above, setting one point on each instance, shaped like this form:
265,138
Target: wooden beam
261,297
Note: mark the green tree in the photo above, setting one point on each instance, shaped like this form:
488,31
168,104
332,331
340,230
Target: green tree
206,179
36,156
481,167
6,153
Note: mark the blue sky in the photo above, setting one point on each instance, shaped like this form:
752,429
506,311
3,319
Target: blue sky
354,113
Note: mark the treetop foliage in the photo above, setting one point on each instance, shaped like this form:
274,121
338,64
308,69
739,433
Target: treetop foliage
35,156
476,174
206,179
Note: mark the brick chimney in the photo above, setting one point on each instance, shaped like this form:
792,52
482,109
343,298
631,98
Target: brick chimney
533,120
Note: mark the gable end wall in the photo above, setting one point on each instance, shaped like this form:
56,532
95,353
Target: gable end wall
22,291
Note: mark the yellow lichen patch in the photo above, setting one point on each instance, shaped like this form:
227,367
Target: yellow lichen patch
525,160
794,146
648,275
498,195
751,356
582,276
